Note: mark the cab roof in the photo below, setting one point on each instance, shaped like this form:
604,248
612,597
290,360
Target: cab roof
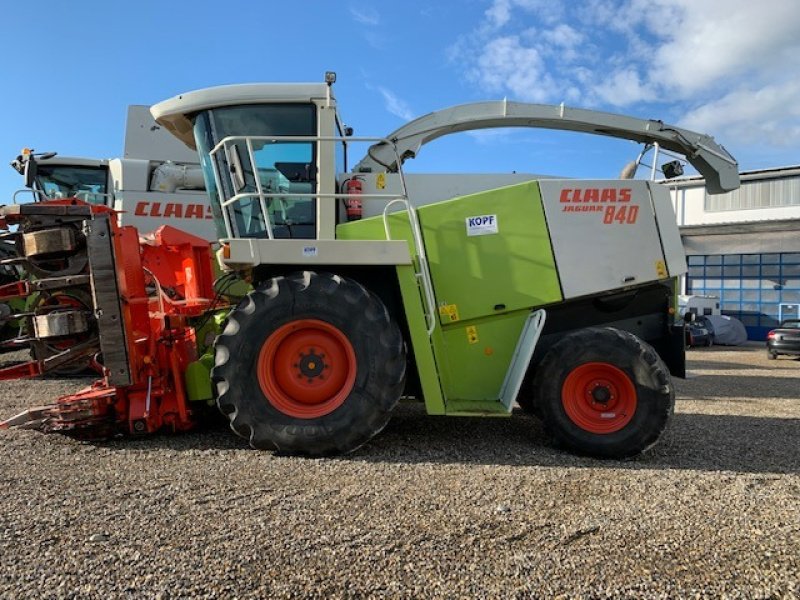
175,113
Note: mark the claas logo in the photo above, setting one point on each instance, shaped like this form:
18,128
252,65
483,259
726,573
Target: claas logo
596,195
614,204
175,210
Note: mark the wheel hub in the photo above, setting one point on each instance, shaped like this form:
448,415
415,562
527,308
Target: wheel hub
306,368
311,365
599,397
601,394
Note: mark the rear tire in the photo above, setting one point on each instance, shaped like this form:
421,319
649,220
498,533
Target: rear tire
604,392
309,364
527,396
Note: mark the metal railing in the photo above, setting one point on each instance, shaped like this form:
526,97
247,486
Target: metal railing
82,195
227,146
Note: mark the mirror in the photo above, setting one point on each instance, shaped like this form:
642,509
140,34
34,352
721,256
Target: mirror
235,161
30,171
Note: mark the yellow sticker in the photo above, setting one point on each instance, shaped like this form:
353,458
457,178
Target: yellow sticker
472,334
380,182
450,311
661,268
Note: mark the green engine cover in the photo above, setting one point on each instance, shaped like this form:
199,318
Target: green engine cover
490,253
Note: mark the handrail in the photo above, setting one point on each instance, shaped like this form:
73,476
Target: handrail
29,191
87,193
424,274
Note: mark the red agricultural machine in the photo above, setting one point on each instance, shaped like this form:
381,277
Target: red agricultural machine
140,295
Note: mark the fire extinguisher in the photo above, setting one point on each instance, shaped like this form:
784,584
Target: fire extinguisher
354,187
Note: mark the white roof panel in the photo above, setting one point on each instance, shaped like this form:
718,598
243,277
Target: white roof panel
172,113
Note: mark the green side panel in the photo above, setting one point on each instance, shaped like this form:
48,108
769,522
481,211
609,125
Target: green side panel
197,379
485,287
420,343
497,272
475,355
372,229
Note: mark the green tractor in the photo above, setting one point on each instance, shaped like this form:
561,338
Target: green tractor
471,293
556,294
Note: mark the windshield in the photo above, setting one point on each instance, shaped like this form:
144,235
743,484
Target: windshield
278,167
86,183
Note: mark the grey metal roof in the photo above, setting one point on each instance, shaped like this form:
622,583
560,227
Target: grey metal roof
753,175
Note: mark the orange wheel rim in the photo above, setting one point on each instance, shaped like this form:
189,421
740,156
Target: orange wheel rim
599,397
306,368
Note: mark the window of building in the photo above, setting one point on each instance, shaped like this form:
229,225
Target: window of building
757,289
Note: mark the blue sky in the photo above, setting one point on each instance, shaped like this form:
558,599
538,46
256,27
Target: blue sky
724,67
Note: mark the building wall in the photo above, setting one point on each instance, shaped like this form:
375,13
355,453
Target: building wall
758,289
745,247
764,195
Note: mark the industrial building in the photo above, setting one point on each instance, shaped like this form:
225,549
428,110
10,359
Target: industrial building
744,246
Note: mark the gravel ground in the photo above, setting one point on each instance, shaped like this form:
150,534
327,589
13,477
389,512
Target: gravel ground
432,507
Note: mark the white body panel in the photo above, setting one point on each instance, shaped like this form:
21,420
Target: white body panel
671,241
188,211
249,252
427,188
612,225
146,140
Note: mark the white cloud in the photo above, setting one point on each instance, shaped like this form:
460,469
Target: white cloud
728,68
396,105
500,11
624,87
766,116
563,36
366,15
506,64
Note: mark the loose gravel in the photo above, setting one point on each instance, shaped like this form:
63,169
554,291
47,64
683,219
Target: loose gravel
443,507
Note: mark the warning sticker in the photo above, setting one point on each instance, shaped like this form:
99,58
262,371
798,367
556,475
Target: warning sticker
380,181
661,268
472,334
449,312
481,225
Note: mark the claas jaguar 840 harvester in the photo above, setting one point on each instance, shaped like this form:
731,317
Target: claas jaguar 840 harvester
559,294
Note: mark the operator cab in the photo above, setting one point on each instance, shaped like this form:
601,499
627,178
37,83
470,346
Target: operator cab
54,177
268,154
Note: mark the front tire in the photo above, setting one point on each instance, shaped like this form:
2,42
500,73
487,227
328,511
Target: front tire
309,364
604,392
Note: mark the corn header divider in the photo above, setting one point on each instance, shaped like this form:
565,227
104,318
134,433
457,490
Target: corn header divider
142,295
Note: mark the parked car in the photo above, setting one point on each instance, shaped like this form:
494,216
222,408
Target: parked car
725,330
784,340
698,335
